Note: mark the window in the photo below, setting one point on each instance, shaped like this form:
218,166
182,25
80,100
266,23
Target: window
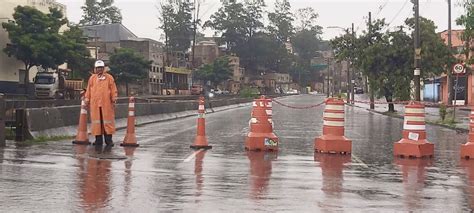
151,80
161,80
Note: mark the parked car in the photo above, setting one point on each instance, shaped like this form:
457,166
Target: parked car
292,92
358,90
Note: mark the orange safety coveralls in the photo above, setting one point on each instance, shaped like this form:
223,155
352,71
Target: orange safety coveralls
101,94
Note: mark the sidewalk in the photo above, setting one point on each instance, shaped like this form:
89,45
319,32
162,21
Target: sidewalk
431,113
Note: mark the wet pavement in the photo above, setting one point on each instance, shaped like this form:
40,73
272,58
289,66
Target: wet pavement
163,174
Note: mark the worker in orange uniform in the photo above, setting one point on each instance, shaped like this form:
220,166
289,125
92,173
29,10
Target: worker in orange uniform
101,97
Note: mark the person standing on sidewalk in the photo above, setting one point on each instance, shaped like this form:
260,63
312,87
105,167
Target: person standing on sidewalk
101,97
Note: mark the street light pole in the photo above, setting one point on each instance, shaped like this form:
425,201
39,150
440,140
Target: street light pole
417,71
353,70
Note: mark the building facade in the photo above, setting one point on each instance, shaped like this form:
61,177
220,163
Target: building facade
12,73
152,51
106,38
436,89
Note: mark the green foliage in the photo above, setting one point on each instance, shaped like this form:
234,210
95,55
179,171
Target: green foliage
177,23
249,92
35,39
307,18
443,112
100,12
216,73
281,21
77,56
238,24
386,57
127,65
467,20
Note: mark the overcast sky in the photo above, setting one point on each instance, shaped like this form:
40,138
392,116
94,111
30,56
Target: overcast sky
140,16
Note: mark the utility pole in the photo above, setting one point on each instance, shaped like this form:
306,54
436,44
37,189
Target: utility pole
196,18
327,77
353,72
372,94
450,46
417,71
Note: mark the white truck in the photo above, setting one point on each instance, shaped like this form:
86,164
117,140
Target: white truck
53,85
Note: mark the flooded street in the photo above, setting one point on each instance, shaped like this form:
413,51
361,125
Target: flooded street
164,174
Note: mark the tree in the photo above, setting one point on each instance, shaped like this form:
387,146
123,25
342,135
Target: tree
307,18
176,21
34,38
238,23
127,65
281,21
229,20
386,58
467,20
77,56
217,72
103,12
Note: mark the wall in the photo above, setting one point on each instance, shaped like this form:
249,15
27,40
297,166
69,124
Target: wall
61,121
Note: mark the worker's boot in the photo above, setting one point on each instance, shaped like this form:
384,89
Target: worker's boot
99,140
108,140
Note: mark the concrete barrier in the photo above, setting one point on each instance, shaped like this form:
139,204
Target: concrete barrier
62,121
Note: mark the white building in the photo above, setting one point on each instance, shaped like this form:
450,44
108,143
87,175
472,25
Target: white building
11,73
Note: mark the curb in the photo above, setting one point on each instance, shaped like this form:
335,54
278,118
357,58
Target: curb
457,129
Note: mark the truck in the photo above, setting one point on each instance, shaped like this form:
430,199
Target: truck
54,85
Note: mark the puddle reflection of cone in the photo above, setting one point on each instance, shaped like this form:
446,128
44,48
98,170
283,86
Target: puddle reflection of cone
414,143
468,166
82,136
467,150
130,137
414,175
260,171
200,142
332,167
261,136
333,139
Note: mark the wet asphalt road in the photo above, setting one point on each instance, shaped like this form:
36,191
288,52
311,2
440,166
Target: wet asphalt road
163,174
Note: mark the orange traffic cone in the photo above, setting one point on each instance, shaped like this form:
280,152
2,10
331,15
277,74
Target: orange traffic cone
201,140
414,143
130,138
467,150
261,136
333,139
82,136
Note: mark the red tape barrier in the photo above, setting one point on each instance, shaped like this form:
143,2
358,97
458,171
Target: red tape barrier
428,104
299,107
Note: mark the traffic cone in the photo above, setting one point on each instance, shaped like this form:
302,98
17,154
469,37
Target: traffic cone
200,142
333,139
414,143
130,138
261,136
82,136
268,104
467,150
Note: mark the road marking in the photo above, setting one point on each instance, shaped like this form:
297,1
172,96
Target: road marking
192,156
358,160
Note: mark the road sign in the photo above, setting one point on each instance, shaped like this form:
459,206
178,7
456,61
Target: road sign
458,69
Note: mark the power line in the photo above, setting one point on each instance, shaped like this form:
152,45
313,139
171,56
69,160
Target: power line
381,7
398,13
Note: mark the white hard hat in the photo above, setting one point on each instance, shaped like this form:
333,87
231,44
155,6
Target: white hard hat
99,63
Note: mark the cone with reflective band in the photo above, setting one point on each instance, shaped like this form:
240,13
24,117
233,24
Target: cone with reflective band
200,142
414,143
467,150
82,136
130,137
333,139
261,136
